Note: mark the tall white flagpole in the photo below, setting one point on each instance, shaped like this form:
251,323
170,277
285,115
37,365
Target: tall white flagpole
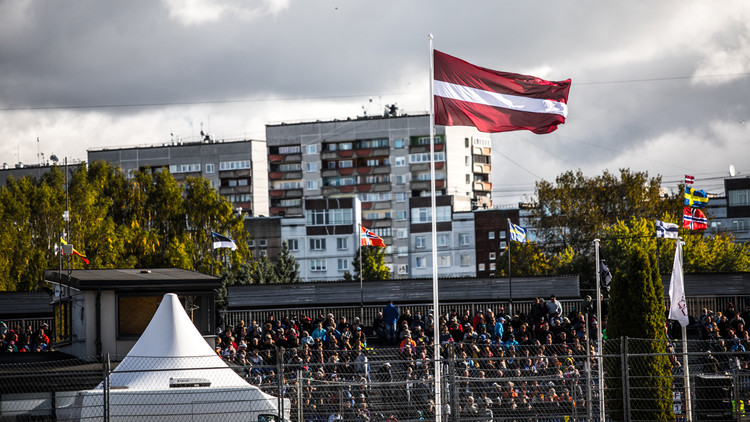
599,341
435,301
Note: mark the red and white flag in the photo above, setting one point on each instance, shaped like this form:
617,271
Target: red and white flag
694,219
493,101
371,239
689,180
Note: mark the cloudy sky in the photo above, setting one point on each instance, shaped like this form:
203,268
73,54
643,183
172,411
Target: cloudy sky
661,87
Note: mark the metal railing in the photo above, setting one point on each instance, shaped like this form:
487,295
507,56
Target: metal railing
482,381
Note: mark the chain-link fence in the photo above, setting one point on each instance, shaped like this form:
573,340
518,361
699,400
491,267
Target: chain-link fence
644,380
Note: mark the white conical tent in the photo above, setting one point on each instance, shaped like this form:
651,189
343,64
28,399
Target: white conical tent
171,348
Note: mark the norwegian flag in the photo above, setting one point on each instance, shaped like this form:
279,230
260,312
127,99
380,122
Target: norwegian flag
694,219
371,239
689,180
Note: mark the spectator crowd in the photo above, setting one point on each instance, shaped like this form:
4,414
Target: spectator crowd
504,364
20,340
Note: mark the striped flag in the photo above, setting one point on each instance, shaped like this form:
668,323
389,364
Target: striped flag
493,101
667,230
517,233
694,219
689,180
371,239
221,241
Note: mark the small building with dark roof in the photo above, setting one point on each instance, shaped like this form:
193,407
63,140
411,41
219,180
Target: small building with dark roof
105,311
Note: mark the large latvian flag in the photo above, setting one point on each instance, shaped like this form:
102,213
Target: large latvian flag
493,101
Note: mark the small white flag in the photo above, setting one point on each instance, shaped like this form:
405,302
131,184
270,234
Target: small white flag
677,304
668,230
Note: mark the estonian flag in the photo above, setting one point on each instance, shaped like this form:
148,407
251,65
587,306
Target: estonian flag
667,230
221,241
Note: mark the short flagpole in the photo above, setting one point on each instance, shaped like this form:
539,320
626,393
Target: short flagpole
435,300
361,268
510,277
599,340
686,370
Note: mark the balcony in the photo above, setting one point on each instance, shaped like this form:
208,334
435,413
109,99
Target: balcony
482,186
381,187
285,193
381,170
285,175
482,168
481,151
284,158
228,190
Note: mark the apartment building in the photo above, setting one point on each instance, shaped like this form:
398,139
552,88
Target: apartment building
382,161
238,169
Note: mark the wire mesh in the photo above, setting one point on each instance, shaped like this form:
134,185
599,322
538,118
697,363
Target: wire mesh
644,380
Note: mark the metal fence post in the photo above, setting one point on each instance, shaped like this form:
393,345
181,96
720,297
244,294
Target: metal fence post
300,383
450,379
625,378
105,396
280,380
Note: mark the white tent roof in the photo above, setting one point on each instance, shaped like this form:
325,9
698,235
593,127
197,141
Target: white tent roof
171,348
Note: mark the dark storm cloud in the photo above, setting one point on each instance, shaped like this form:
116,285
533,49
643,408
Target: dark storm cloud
644,75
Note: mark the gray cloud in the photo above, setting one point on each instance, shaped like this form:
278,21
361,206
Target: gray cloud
650,81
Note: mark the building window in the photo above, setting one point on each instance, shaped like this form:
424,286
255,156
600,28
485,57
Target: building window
503,245
443,240
317,265
493,255
464,239
210,168
293,244
234,165
345,164
310,167
465,260
423,215
263,252
184,168
403,269
401,233
481,267
402,215
444,261
262,243
342,243
401,179
312,185
491,235
317,244
251,243
502,234
312,149
403,250
325,217
343,264
399,161
492,266
420,242
398,144
421,262
740,197
738,225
